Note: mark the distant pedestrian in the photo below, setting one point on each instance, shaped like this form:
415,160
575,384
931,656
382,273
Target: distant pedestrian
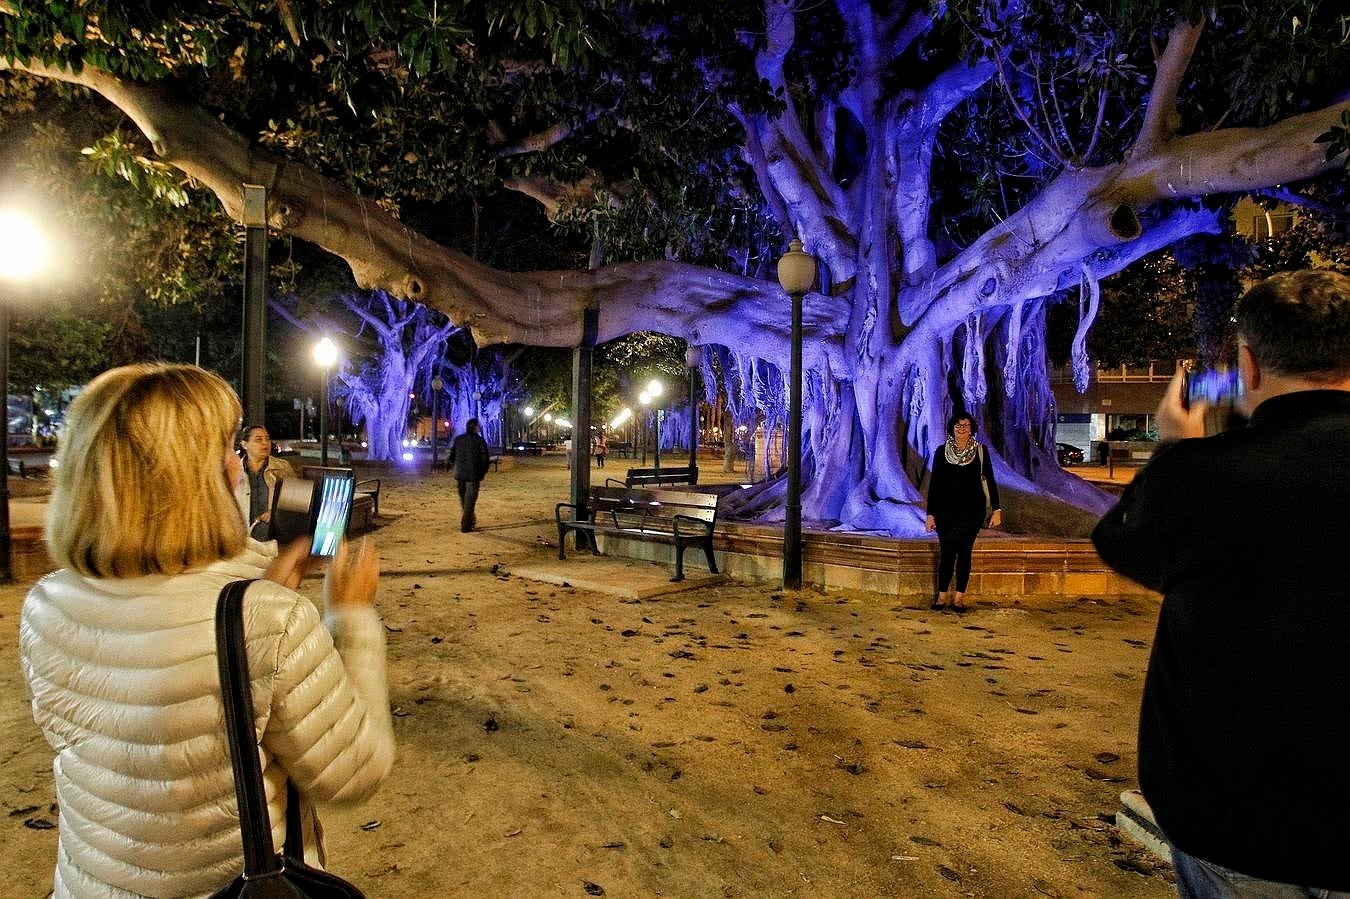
469,460
601,450
962,498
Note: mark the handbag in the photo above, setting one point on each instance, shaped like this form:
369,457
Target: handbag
267,875
984,485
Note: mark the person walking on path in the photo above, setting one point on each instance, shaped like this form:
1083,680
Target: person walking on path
601,450
469,460
1243,727
962,497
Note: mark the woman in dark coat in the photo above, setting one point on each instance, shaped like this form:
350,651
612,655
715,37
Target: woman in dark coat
961,494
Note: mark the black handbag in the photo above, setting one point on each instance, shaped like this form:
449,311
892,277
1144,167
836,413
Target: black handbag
267,875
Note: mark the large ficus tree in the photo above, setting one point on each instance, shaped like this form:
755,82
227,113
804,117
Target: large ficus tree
954,167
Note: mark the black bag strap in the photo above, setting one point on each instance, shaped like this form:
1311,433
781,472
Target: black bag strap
260,857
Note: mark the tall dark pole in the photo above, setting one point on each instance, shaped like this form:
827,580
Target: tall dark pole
792,523
255,297
796,273
691,357
657,450
6,567
323,422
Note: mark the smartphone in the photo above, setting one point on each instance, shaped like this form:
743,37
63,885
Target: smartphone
1214,386
320,509
333,494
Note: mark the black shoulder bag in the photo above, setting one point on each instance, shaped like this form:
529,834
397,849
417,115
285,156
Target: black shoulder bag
266,874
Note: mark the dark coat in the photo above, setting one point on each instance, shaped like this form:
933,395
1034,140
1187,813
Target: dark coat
1244,725
955,495
469,457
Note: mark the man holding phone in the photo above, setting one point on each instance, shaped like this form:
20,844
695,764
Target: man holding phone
1246,710
469,459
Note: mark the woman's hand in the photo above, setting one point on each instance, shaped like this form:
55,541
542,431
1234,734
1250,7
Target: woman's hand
930,523
996,518
290,565
353,575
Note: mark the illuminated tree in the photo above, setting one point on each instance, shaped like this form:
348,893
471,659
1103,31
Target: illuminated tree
954,174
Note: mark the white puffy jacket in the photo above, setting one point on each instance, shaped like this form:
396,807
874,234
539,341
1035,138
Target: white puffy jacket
125,688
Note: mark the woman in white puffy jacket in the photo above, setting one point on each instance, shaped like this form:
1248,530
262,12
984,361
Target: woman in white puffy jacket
119,652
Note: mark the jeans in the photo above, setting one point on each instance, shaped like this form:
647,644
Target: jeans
468,498
1199,879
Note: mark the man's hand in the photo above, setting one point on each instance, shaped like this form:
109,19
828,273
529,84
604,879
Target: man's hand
996,518
930,523
1175,421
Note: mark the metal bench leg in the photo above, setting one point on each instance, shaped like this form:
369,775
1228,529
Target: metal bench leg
679,563
562,542
708,551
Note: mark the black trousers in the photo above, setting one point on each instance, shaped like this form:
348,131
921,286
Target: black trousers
955,543
468,498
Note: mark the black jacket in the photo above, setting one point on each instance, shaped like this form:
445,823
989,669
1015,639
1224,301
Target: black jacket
955,495
1245,723
469,457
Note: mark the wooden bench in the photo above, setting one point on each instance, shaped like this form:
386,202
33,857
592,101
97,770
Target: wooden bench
366,503
17,467
657,477
679,517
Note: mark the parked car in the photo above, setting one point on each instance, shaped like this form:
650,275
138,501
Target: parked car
1068,454
527,448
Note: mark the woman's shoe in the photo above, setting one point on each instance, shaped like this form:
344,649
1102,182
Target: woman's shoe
958,604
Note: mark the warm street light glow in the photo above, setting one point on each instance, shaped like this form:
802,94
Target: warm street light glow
563,423
529,411
645,398
325,353
23,247
655,388
548,417
623,416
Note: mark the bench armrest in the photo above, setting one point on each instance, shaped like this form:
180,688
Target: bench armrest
615,482
374,492
557,512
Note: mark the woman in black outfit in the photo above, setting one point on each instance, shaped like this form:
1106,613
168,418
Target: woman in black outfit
961,492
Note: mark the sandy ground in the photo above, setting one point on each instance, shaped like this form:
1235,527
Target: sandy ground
727,740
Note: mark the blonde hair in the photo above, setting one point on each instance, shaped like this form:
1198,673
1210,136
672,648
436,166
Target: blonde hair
140,487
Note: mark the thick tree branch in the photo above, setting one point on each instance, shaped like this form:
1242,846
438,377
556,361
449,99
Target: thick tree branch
534,143
537,308
794,170
549,193
1160,116
914,139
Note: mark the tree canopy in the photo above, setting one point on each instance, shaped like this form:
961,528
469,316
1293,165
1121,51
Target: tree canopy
956,168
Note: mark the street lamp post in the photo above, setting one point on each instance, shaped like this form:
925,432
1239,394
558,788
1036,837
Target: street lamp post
23,252
436,385
796,274
325,354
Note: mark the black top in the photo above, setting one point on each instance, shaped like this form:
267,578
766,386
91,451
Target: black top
469,457
955,495
1245,722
